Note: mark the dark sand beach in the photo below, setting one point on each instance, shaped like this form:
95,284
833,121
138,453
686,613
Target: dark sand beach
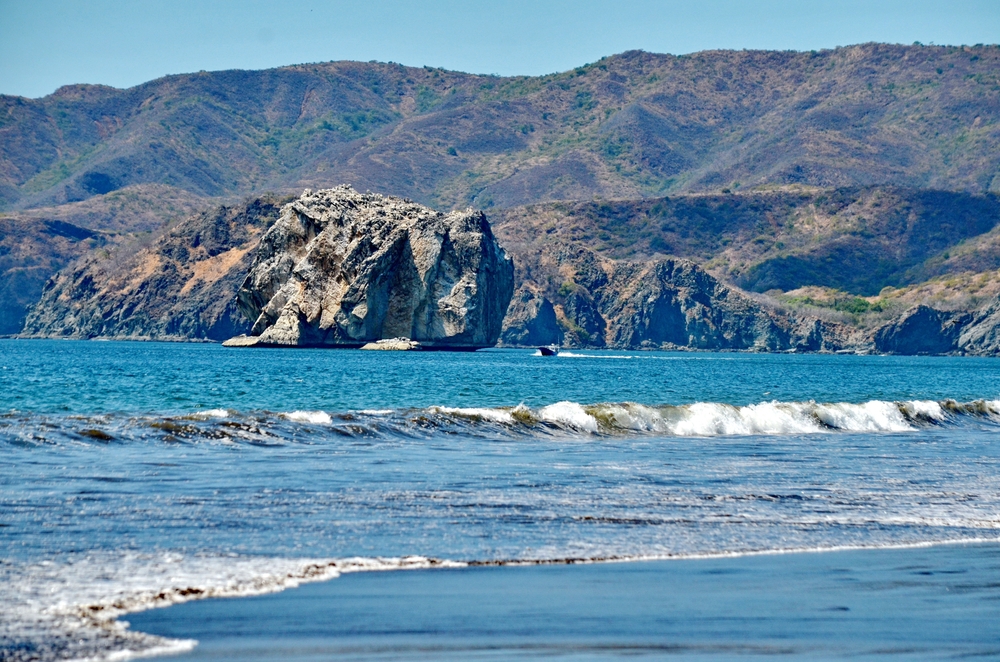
936,602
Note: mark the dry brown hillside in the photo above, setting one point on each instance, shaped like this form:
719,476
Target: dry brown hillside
628,126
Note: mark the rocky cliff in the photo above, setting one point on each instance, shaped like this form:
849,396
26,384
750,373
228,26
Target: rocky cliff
341,268
178,286
655,304
925,330
980,334
31,250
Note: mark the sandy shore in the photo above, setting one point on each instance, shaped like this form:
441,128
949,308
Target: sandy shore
922,603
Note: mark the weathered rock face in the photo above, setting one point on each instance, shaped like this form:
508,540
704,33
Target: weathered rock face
675,303
926,330
657,304
341,268
530,321
980,335
181,286
921,330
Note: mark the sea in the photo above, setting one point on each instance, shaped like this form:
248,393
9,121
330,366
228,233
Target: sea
136,476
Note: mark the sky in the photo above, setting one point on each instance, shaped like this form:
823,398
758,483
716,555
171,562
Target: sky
48,43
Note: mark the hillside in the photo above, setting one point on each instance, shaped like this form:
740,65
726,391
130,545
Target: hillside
30,252
633,125
858,240
902,247
180,285
36,243
133,209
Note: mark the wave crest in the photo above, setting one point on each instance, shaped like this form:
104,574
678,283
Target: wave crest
560,419
709,419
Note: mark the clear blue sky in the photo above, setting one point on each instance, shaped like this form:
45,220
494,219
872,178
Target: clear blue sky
48,43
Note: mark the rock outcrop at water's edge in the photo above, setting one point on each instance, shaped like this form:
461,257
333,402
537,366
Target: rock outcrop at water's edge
921,330
665,303
341,269
530,320
928,331
980,335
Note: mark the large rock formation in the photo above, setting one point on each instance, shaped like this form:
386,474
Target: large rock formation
178,286
341,268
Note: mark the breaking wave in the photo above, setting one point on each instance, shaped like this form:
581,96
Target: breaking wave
309,417
557,420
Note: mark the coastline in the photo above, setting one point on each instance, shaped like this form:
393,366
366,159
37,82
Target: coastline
904,602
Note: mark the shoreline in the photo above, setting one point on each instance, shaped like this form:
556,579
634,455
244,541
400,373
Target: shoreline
680,349
923,599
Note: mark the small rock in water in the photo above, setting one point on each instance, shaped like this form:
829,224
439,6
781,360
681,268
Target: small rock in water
394,344
242,341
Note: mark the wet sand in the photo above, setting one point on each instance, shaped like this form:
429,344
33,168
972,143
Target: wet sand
923,603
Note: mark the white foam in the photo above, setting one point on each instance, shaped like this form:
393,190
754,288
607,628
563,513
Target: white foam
707,419
779,551
569,413
574,355
928,409
631,416
319,417
212,413
74,603
871,416
481,413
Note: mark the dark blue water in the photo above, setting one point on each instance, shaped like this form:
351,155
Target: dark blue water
141,474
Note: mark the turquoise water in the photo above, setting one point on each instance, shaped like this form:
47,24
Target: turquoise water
102,377
142,474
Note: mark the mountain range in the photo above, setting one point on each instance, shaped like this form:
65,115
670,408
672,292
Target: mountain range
846,180
628,126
